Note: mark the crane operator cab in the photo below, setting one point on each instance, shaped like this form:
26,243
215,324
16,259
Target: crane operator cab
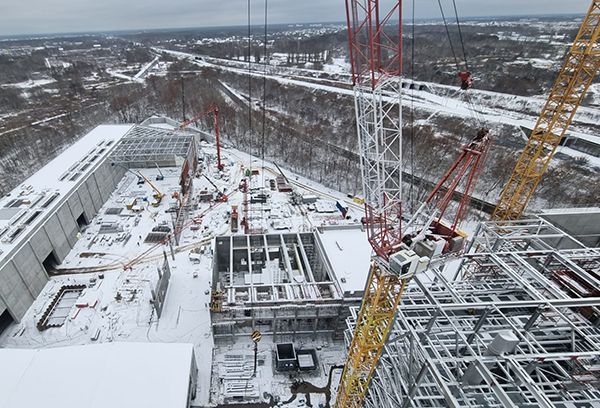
406,263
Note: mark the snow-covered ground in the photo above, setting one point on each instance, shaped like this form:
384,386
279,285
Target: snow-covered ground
32,83
115,305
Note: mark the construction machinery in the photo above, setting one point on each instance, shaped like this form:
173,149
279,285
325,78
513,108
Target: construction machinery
426,227
158,196
376,68
140,178
573,81
160,176
234,218
375,55
214,110
178,230
220,195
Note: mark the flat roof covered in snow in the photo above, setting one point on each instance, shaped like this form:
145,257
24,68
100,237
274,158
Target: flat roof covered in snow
350,255
26,205
96,376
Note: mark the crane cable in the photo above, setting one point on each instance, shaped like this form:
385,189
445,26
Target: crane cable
448,33
264,93
249,88
462,43
479,118
264,113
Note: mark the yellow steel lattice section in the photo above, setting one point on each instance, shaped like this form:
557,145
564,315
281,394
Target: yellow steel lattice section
374,321
574,79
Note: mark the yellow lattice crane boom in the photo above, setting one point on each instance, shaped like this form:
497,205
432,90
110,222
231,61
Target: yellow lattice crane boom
573,81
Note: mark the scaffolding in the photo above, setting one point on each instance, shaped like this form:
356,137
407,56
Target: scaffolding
514,323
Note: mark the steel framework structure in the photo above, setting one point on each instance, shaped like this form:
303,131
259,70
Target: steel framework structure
509,325
376,58
145,146
214,109
573,81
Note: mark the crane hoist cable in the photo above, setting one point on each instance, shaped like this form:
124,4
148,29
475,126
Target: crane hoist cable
448,33
462,43
264,108
250,86
261,143
479,118
411,194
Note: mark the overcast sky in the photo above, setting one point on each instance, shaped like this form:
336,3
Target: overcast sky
60,16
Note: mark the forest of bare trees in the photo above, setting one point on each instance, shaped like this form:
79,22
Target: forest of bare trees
308,130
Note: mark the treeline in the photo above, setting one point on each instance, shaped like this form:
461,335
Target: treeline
498,63
312,132
27,149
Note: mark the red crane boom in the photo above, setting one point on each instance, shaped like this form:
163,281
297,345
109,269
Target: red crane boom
213,109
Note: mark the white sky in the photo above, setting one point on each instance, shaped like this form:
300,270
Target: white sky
60,16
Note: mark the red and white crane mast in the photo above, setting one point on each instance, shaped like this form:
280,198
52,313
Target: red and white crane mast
376,60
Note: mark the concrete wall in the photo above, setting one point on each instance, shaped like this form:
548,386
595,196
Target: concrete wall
22,275
583,226
14,291
2,306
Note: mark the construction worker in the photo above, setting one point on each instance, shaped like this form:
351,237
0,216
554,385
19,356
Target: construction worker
465,80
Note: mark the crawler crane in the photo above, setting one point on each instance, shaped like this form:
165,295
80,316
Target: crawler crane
426,224
376,68
376,57
573,81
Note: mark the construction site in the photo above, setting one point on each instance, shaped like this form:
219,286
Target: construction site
155,255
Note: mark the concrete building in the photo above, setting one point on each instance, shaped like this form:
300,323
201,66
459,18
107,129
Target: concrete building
287,285
40,220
